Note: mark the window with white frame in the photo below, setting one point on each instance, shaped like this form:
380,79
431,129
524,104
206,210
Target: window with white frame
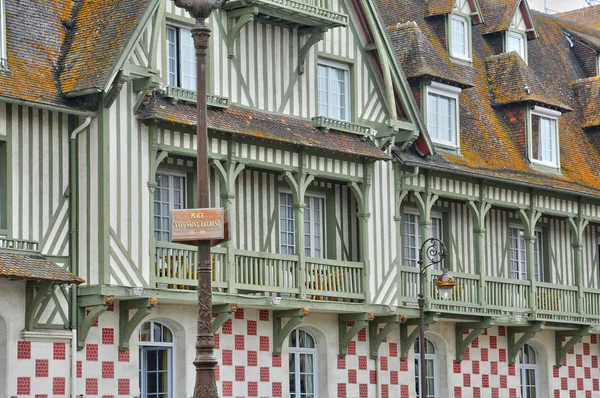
518,257
431,369
442,114
460,46
3,54
529,372
543,137
515,42
334,90
181,58
412,238
314,228
156,360
169,195
303,365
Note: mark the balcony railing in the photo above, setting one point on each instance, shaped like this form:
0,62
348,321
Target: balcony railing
18,244
260,273
503,296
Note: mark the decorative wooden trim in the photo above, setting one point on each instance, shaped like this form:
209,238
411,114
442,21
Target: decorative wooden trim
326,124
376,337
575,337
296,317
185,95
407,340
224,312
476,328
90,308
45,291
345,336
128,325
528,333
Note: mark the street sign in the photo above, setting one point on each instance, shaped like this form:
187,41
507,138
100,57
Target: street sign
192,225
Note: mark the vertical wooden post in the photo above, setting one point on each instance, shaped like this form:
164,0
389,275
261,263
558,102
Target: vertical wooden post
479,211
530,218
577,226
425,201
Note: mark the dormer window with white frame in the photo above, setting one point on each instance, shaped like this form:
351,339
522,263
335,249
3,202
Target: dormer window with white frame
515,41
543,139
3,54
442,114
333,89
459,30
181,58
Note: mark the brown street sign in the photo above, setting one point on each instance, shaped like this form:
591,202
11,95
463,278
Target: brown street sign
197,224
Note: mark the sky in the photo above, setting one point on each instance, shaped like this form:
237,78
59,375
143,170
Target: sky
558,5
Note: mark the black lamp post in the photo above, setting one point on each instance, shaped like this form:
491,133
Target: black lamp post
205,362
435,252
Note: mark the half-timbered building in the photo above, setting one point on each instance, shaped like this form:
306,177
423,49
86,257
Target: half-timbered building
342,134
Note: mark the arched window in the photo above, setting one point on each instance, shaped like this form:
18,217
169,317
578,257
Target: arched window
303,365
529,372
431,369
156,360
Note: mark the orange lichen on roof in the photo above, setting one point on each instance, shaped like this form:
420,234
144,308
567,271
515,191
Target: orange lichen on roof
102,30
16,265
489,147
438,7
588,16
588,93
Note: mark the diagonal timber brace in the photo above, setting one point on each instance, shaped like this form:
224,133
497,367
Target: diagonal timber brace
223,312
575,337
407,340
89,309
377,336
245,16
476,328
528,333
127,325
346,335
44,292
315,35
296,317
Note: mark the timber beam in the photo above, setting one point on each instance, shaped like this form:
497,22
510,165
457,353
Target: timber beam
296,317
528,333
89,309
407,340
245,16
377,336
45,289
476,328
572,337
127,324
223,312
345,335
315,35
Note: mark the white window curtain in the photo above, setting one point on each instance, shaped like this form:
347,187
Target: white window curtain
441,118
314,216
302,365
460,39
333,91
181,58
169,195
412,238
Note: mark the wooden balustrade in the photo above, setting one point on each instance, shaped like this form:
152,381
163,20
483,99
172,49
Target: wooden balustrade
261,273
334,280
507,295
557,300
591,302
18,244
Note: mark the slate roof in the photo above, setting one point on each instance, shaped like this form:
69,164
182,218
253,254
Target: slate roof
490,148
101,32
588,93
588,16
442,7
254,124
499,15
418,57
509,75
16,265
35,34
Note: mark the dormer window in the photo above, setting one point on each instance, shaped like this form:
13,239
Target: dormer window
460,33
543,137
442,114
334,90
516,42
181,58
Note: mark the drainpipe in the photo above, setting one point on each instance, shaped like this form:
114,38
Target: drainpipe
73,243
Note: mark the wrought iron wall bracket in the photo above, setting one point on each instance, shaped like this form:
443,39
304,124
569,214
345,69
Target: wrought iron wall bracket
89,308
528,333
575,337
246,15
346,335
376,336
476,328
296,317
407,340
128,325
223,312
315,35
43,294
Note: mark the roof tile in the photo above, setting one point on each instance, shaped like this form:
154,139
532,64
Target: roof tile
16,265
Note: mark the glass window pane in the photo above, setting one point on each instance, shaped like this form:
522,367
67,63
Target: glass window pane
188,60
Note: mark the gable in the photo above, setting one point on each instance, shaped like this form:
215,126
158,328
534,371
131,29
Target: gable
518,21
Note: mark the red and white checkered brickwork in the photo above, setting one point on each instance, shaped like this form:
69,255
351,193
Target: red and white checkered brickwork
579,375
484,371
41,369
102,370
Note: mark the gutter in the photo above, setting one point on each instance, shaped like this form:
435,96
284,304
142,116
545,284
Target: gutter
49,107
73,246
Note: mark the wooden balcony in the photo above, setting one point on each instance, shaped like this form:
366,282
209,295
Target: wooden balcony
264,274
504,297
18,244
